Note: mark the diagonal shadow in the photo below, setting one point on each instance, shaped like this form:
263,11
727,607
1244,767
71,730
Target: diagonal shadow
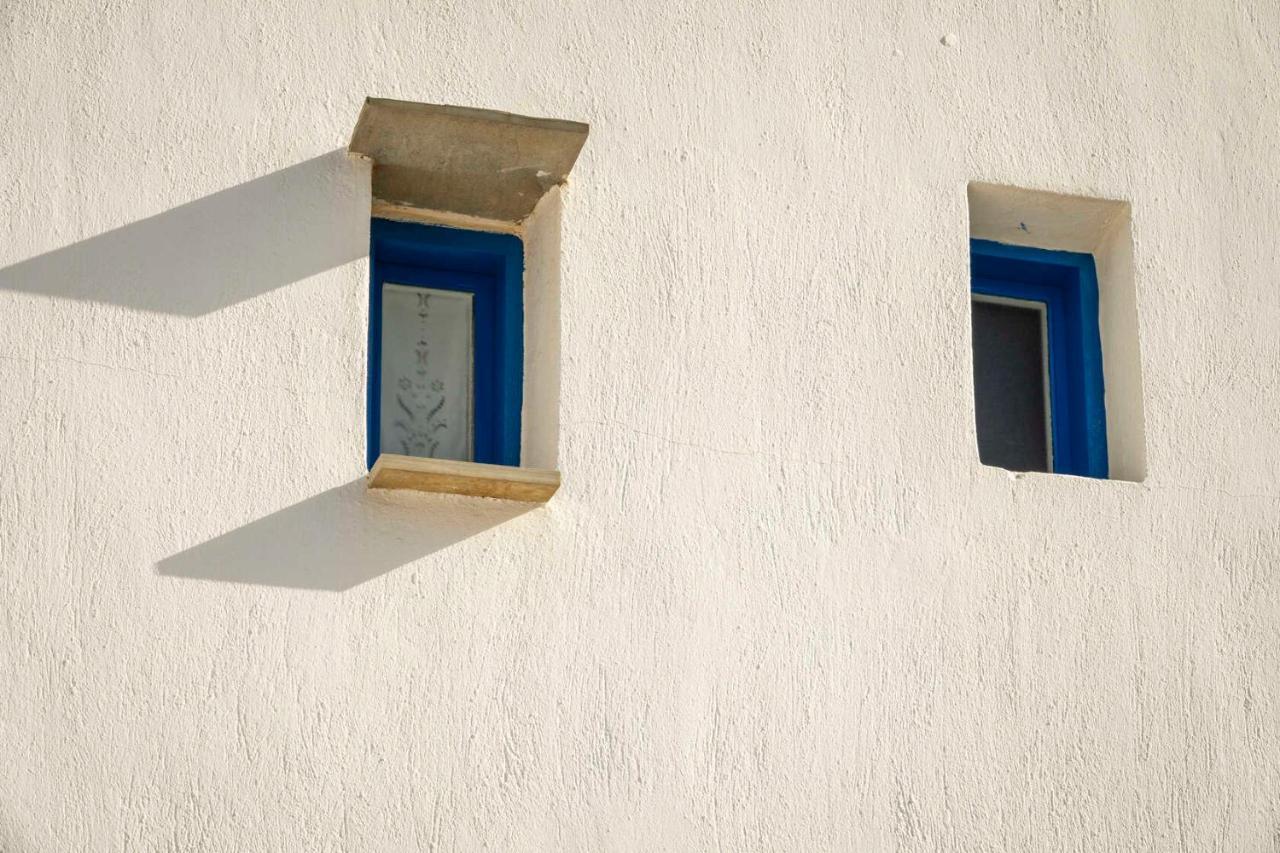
338,539
218,250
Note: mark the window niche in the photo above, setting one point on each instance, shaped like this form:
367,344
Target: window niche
1057,374
464,313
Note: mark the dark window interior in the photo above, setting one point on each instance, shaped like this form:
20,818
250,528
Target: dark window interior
1009,386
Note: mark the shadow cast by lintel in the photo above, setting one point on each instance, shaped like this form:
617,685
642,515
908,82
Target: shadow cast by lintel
223,249
339,539
218,250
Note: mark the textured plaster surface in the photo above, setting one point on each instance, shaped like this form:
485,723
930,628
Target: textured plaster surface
777,603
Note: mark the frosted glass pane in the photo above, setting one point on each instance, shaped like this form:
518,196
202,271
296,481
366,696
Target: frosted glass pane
427,359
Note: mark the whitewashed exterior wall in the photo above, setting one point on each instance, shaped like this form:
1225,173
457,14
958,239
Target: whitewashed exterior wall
777,604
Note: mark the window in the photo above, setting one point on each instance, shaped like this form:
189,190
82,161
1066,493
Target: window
464,321
1037,360
446,344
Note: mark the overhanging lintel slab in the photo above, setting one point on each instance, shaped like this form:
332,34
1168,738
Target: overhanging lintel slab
470,162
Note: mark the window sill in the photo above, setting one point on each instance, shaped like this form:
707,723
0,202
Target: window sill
533,485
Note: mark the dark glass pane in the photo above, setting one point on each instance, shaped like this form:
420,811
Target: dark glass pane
1008,386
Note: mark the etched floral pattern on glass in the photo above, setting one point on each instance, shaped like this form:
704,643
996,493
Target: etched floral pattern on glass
427,366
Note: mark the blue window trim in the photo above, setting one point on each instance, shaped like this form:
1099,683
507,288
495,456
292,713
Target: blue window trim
1067,284
491,268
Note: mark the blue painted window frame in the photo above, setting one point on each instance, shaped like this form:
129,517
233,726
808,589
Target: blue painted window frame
1066,283
491,268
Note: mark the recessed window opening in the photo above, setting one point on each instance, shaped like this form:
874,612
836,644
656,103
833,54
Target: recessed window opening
1055,310
1037,360
446,343
464,297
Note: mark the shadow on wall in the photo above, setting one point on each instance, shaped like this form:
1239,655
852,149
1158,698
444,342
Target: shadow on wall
218,250
223,249
339,538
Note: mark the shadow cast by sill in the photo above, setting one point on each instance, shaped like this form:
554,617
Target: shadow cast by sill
339,538
218,250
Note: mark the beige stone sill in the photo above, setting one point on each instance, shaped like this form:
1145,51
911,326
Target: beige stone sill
534,485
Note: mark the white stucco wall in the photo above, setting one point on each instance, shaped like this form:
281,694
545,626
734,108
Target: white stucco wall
777,604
